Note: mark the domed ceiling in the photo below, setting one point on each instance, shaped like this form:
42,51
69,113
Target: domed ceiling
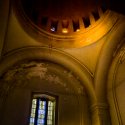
69,23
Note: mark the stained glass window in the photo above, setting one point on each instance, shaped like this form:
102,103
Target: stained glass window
42,110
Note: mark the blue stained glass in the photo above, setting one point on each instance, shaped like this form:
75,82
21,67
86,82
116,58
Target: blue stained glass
40,121
43,121
42,112
41,116
42,106
32,120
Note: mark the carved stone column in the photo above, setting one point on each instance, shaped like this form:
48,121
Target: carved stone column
100,114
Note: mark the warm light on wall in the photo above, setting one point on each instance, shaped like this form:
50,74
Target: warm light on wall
65,30
77,30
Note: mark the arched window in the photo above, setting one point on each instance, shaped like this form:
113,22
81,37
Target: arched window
42,110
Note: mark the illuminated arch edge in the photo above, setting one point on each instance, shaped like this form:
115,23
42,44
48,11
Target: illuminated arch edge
113,101
113,43
106,56
58,57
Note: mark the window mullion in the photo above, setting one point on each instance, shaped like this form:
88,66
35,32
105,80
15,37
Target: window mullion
46,112
36,114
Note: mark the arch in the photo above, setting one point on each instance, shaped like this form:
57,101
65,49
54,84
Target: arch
114,39
52,55
112,86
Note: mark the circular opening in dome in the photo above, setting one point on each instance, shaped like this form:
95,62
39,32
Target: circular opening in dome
61,16
66,23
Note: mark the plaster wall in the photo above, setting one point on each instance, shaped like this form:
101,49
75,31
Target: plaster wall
4,16
72,102
14,37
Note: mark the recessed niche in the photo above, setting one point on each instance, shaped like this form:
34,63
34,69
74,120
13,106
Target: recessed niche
76,26
35,16
54,24
44,21
104,8
86,21
96,15
65,24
